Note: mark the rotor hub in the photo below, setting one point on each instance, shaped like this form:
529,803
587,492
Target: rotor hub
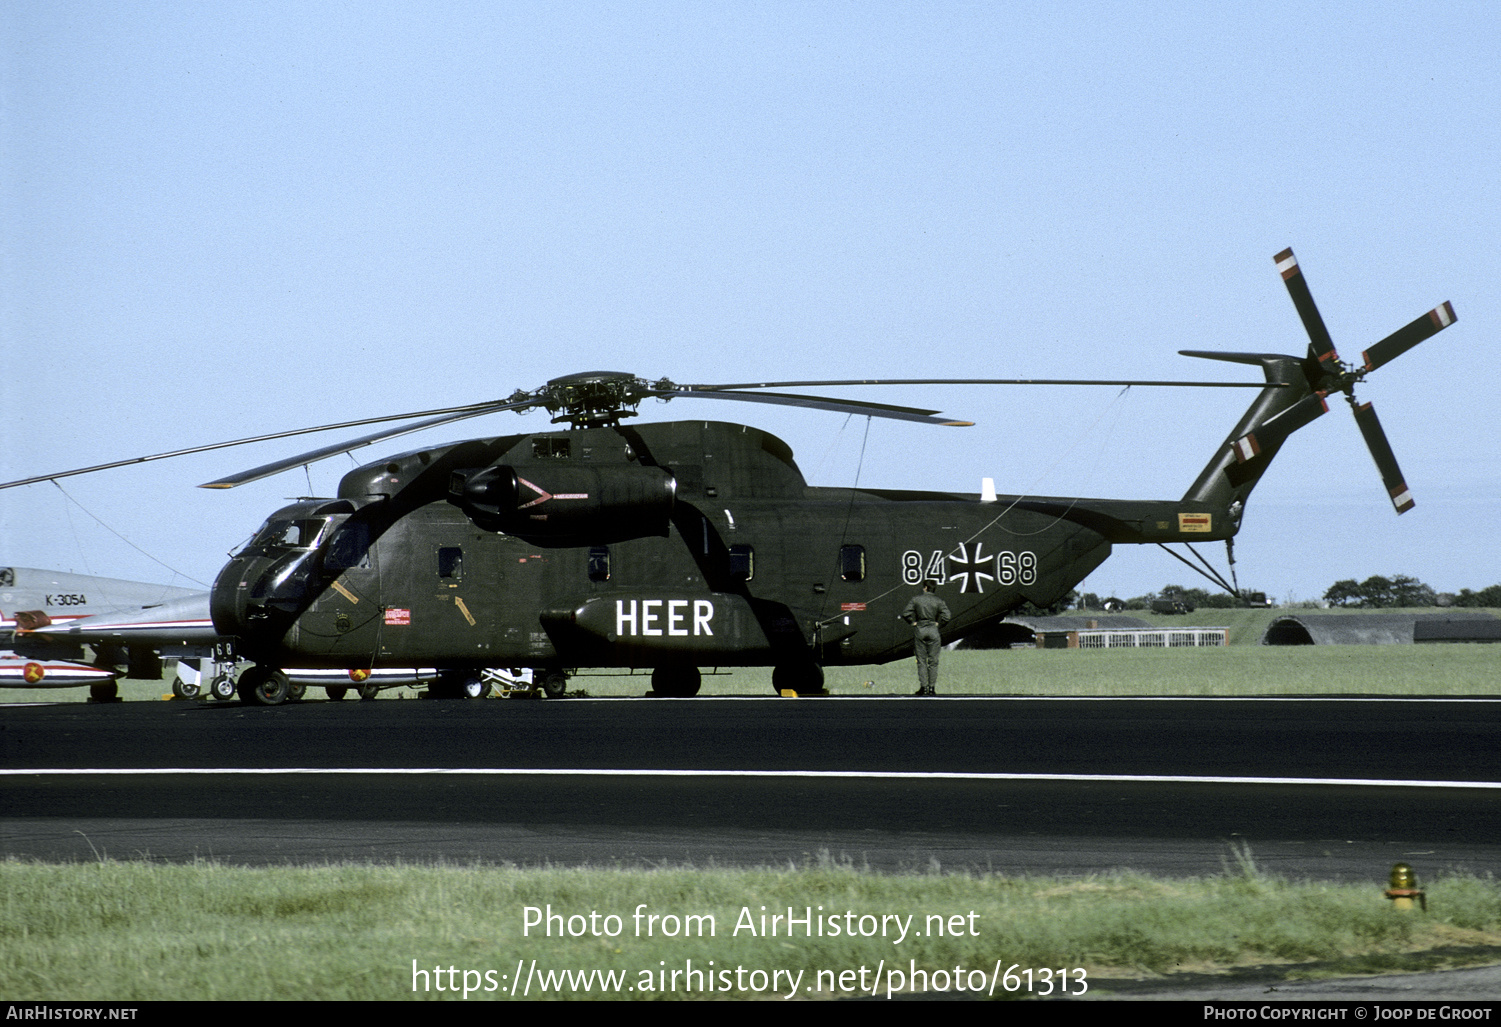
592,399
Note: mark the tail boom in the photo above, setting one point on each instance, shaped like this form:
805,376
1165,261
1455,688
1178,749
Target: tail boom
1286,404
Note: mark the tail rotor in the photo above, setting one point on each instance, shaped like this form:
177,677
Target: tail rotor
1326,373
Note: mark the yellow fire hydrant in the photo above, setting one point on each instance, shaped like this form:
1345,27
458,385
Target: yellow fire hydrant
1404,888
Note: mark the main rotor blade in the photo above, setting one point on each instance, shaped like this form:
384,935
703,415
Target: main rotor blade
1274,432
1408,336
1318,336
478,408
1386,461
843,406
699,390
334,449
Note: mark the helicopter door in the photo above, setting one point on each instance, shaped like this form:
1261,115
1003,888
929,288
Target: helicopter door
530,585
345,618
466,576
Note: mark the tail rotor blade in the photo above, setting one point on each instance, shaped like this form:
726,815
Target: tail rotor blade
1274,432
1408,336
1386,461
1321,345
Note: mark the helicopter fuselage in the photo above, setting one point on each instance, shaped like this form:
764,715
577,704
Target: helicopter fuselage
690,543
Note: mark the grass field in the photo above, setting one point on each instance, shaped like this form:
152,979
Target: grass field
142,931
1455,670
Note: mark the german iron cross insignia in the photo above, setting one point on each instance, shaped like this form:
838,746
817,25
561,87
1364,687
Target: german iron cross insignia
971,571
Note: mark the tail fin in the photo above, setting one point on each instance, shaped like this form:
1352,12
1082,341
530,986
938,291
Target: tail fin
1296,394
1285,405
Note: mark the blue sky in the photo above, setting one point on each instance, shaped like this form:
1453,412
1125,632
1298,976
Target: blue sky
229,219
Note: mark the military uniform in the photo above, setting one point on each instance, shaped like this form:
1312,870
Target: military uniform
927,613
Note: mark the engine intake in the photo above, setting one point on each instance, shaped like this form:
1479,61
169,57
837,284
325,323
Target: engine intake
581,504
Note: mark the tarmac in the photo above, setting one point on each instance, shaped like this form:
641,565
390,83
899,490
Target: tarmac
1478,984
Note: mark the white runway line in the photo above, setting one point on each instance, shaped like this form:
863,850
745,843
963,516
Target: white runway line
874,775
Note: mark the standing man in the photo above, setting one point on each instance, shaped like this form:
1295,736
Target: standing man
927,613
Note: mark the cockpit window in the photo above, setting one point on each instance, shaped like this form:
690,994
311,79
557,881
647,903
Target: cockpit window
301,534
349,547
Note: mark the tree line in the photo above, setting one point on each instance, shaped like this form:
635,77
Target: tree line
1374,593
1188,598
1378,592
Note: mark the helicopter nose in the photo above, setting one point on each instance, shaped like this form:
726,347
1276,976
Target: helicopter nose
228,598
256,602
256,593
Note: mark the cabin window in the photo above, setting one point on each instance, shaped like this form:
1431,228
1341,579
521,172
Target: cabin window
852,563
599,563
451,563
742,562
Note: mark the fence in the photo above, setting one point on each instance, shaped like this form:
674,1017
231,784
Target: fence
1137,638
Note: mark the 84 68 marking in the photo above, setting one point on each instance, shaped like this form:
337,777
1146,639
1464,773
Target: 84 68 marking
973,569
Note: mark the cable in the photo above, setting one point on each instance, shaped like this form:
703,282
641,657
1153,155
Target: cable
1045,472
127,541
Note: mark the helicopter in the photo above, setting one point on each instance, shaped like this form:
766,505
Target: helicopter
678,545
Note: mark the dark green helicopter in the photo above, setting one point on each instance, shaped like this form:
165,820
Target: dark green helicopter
689,544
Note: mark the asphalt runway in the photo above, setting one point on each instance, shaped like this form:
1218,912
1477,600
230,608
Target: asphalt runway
1324,789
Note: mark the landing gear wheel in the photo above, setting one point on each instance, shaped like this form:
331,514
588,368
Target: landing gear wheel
184,689
676,682
107,692
369,690
335,692
223,687
457,684
295,691
802,678
554,684
264,686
